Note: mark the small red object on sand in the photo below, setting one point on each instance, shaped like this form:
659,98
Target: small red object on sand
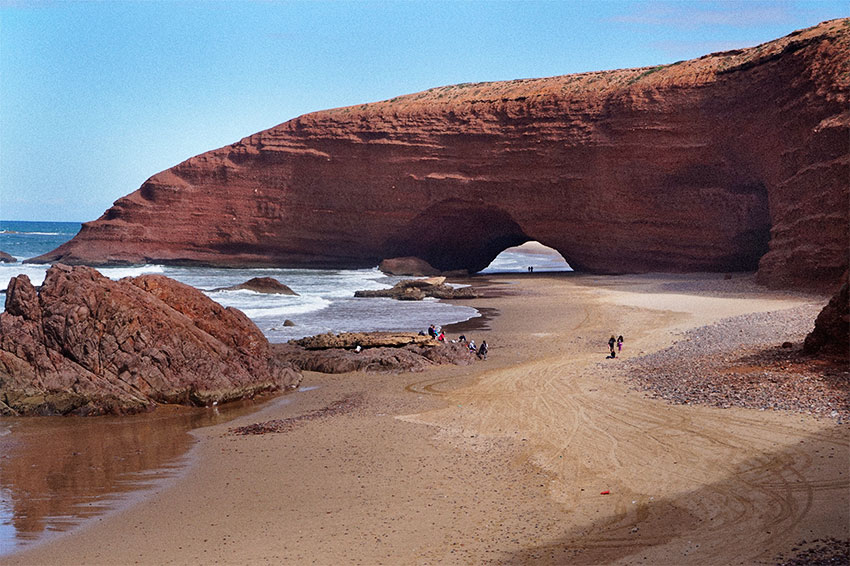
606,492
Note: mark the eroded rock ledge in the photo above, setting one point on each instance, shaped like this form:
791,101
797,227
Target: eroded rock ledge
86,345
418,289
722,163
389,352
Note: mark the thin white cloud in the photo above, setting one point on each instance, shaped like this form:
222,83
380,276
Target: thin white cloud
690,49
733,13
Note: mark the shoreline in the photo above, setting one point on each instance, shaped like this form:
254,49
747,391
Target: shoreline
505,461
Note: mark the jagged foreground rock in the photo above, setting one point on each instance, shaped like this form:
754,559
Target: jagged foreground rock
831,334
732,161
87,345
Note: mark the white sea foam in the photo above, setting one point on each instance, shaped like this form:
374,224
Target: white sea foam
121,272
35,273
34,233
316,304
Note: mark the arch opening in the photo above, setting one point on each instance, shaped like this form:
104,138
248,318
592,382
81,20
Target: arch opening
458,235
531,255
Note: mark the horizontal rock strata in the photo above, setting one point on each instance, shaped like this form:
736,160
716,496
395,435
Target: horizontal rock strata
734,161
407,266
84,344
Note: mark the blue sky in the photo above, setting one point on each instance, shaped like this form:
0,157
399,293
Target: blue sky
95,97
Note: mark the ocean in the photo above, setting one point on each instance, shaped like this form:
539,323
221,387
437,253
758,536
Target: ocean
56,473
325,301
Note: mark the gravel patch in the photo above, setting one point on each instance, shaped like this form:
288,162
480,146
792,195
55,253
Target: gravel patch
741,362
342,406
820,552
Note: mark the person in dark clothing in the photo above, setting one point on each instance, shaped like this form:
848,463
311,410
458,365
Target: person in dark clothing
611,342
482,350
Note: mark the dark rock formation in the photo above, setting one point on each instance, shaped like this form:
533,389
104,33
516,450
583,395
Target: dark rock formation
6,258
350,340
831,334
87,345
723,163
418,289
380,352
261,285
407,267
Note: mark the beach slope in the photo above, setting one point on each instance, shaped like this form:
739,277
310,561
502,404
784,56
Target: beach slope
543,454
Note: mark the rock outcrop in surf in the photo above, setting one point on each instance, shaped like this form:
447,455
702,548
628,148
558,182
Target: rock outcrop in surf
735,161
418,289
267,285
84,344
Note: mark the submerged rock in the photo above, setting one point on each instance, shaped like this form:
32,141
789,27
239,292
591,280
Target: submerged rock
261,285
87,345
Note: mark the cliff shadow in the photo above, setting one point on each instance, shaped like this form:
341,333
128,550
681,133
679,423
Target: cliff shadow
457,234
772,506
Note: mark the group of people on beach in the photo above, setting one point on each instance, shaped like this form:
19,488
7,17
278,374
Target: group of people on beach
437,333
612,342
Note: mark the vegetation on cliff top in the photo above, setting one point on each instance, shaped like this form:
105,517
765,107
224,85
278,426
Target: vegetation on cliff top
706,69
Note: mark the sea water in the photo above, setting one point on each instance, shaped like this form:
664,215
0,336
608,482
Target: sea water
325,300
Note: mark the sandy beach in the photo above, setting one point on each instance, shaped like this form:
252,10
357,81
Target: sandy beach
546,453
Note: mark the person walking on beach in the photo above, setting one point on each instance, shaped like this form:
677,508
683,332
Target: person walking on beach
620,343
482,350
611,342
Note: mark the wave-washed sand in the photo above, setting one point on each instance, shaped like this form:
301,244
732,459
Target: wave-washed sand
506,461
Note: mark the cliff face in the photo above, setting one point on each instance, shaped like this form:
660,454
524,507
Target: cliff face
734,161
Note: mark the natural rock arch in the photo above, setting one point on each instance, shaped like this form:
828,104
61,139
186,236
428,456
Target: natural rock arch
457,235
734,161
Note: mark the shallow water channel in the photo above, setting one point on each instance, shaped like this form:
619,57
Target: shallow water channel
56,472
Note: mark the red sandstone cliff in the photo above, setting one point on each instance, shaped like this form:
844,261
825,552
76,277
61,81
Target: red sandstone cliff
735,161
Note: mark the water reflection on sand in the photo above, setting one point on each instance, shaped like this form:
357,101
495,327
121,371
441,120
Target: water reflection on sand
55,472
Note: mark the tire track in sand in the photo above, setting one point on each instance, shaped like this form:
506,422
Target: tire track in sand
686,482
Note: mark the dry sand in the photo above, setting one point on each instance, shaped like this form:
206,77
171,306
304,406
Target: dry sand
505,461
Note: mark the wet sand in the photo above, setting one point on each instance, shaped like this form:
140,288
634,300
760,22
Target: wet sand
505,461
